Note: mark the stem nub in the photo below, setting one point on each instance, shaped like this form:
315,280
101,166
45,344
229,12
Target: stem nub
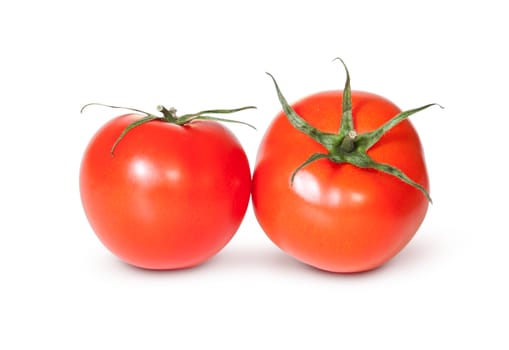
348,143
170,115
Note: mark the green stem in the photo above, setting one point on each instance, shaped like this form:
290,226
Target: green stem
348,143
170,115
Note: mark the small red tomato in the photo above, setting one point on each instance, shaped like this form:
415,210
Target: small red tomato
165,192
340,181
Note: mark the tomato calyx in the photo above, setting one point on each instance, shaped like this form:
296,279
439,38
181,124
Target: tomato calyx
170,116
347,146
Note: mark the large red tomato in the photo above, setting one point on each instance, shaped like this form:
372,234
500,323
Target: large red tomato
332,214
170,196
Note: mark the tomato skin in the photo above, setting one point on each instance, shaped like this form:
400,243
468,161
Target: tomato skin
171,196
338,217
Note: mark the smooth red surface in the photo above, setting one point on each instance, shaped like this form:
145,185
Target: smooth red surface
338,217
171,197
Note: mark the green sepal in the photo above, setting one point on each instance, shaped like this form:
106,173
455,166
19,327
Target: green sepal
366,140
204,117
314,157
215,111
347,117
186,118
347,146
326,139
169,116
131,126
116,107
363,160
389,169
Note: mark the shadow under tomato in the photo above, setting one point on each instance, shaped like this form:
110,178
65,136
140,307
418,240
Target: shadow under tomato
271,259
243,258
255,258
418,253
413,257
122,266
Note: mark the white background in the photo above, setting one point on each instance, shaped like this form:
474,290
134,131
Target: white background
61,289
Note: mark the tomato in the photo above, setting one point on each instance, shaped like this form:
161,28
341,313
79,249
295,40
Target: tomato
335,215
170,196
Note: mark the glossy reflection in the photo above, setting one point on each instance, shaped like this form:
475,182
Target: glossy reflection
313,190
141,168
144,169
172,174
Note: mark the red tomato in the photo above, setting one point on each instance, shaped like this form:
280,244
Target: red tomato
336,216
172,195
